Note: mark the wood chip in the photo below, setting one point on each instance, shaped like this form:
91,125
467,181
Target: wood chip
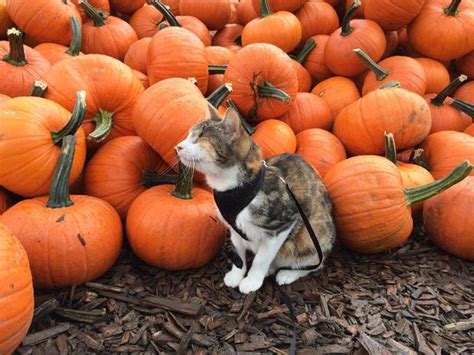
43,335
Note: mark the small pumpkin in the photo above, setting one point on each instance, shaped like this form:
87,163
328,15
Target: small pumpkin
245,12
320,148
316,18
5,21
229,37
312,57
466,92
126,6
274,137
69,239
214,13
436,74
16,292
217,56
304,78
465,65
391,37
136,56
448,219
279,5
392,14
145,21
102,5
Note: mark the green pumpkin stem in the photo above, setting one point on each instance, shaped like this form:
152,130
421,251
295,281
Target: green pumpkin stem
422,193
76,41
265,9
184,186
152,178
390,84
103,125
166,12
269,91
390,149
247,127
217,97
98,17
59,190
16,56
346,21
380,73
39,88
452,9
216,68
306,50
438,100
463,106
78,114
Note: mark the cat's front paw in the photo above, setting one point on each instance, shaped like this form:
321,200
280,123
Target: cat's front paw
285,277
234,277
250,284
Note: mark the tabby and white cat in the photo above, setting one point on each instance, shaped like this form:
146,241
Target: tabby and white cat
253,201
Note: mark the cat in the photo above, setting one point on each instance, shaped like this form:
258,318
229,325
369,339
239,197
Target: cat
266,220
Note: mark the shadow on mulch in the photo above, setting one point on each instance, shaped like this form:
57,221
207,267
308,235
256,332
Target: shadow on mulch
415,299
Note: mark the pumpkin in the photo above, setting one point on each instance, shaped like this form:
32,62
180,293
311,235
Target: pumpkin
102,5
436,74
69,239
361,125
312,57
317,18
304,78
359,13
107,35
213,13
126,6
282,28
370,205
5,21
142,77
407,71
172,4
466,92
435,41
217,56
470,130
112,91
44,20
448,219
338,92
279,5
412,175
145,21
4,200
391,38
444,150
320,148
274,137
20,65
445,117
465,65
272,78
392,14
31,129
245,12
4,98
364,34
16,292
136,56
404,44
121,170
187,235
39,88
308,111
54,52
229,37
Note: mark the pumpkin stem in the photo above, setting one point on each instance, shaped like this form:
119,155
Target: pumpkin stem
152,178
75,121
418,158
103,125
59,190
16,56
422,193
39,88
183,189
438,100
166,12
452,9
463,106
98,17
268,90
306,50
346,21
380,73
76,41
390,149
247,127
217,97
390,84
265,9
216,68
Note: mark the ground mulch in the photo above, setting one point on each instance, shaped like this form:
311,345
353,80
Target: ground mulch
415,299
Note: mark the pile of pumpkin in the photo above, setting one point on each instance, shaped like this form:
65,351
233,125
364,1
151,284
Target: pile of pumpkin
95,94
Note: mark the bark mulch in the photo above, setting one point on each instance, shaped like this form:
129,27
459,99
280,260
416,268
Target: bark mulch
415,299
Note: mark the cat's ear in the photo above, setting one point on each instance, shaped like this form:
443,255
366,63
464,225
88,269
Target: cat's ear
213,114
231,122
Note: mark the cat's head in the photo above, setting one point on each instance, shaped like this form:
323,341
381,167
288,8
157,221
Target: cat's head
215,144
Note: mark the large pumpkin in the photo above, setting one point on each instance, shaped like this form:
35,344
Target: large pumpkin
392,14
16,292
69,239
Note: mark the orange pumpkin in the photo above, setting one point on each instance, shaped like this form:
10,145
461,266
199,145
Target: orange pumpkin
312,57
279,5
31,129
274,137
5,21
229,37
142,77
102,5
465,65
392,14
136,56
187,235
320,148
126,6
217,56
466,92
214,13
145,21
391,37
304,78
448,219
245,12
436,74
16,292
69,239
316,18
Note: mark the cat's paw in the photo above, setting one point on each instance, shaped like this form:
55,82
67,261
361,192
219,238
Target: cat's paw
234,277
250,284
285,277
